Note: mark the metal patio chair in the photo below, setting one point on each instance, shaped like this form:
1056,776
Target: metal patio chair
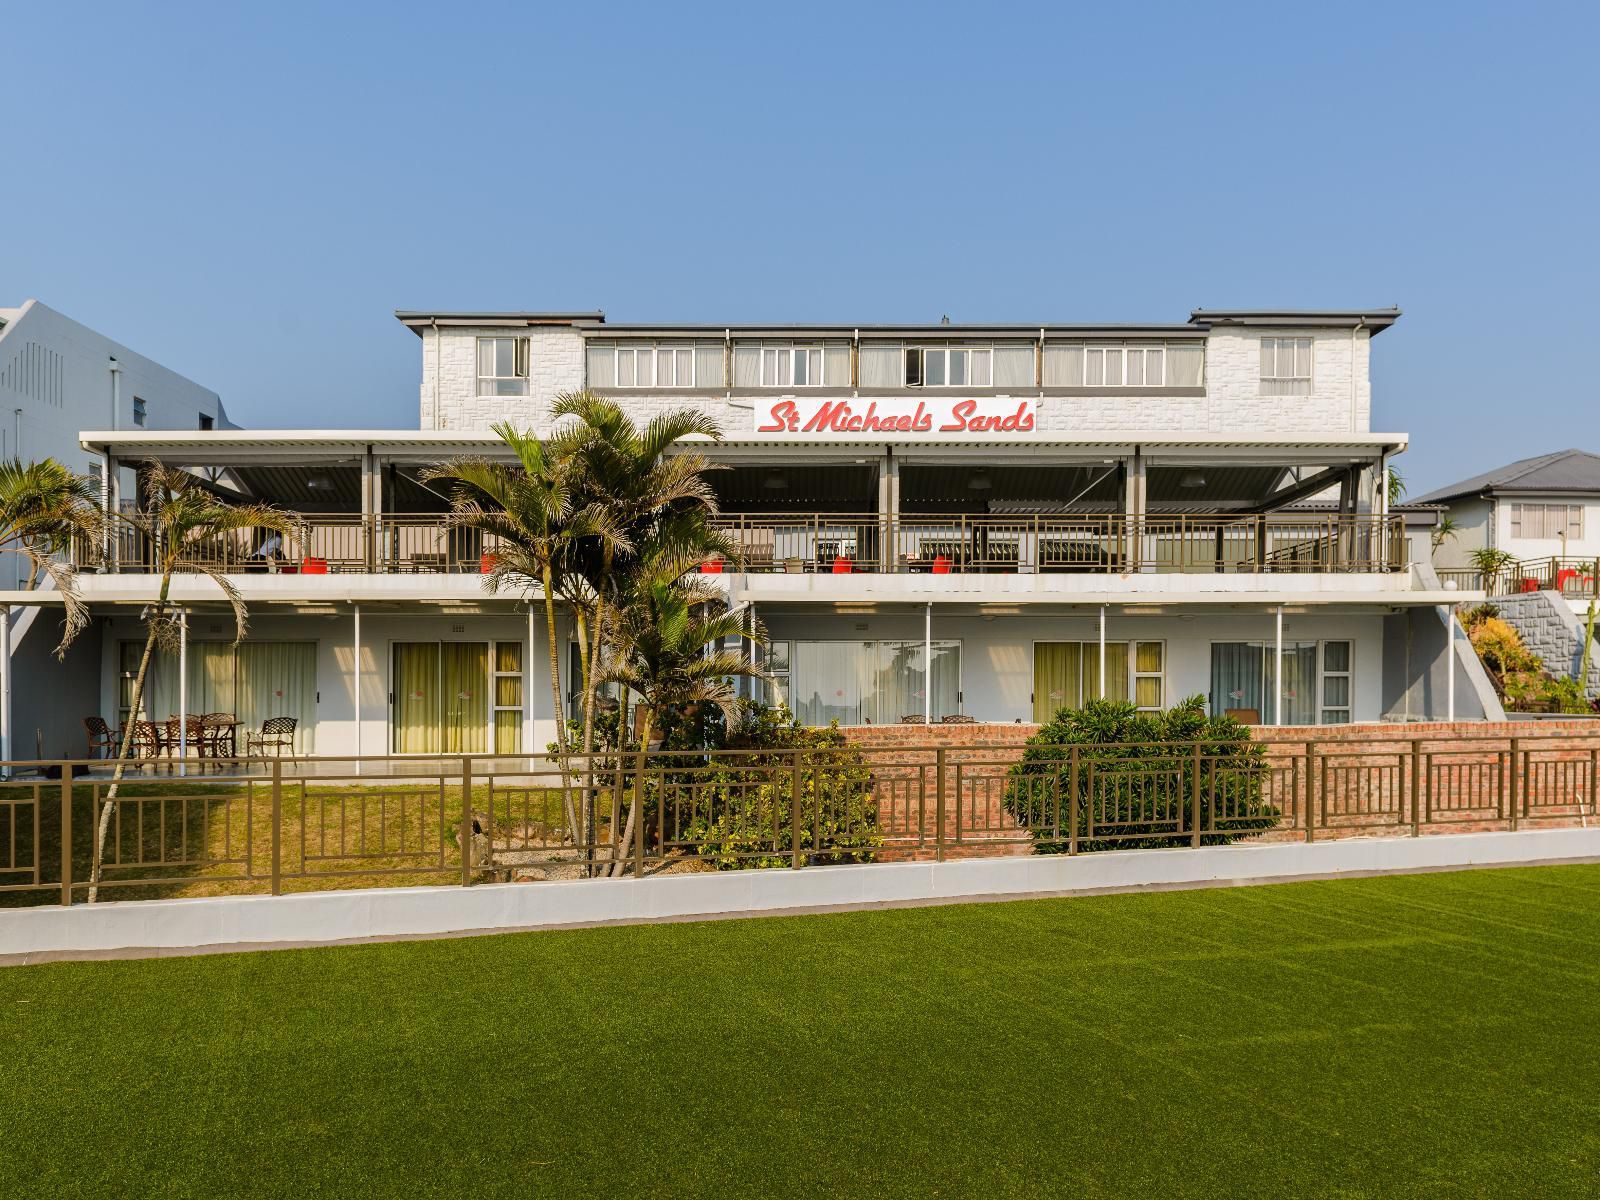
277,733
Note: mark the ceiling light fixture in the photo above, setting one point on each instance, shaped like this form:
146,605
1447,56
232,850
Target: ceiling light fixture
1192,479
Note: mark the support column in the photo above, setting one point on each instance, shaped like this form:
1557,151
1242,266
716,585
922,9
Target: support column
1277,682
355,670
1102,652
888,509
927,664
1450,653
1134,495
183,691
5,687
528,690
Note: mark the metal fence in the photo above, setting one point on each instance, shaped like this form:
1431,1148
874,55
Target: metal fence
1577,578
291,824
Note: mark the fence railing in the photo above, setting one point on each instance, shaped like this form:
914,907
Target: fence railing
1574,577
290,824
843,543
388,543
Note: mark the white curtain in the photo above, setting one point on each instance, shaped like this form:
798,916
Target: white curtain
1185,365
836,365
602,366
881,365
278,679
1063,366
746,366
1013,366
708,365
878,682
825,682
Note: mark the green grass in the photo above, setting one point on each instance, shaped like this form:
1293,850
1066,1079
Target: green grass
1422,1035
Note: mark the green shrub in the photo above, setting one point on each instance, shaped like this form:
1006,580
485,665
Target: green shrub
743,813
1135,778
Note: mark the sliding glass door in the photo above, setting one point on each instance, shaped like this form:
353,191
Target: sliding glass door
859,683
1067,675
1316,681
251,680
445,694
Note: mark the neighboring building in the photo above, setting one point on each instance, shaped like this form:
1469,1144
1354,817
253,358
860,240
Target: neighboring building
942,520
57,378
1536,508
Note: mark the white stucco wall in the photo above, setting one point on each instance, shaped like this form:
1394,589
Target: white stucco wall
1587,546
1340,400
997,652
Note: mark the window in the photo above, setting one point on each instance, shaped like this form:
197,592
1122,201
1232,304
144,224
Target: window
1550,521
457,697
882,365
1067,675
1316,681
859,683
1285,366
791,366
949,367
502,366
207,421
140,412
253,680
646,365
788,365
507,697
1123,364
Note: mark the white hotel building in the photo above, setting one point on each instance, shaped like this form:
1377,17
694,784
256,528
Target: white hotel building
983,522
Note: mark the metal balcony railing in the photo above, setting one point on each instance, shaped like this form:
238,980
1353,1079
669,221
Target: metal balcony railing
957,544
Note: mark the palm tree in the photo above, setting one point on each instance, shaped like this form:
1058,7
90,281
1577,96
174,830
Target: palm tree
527,507
666,645
1396,484
44,508
182,522
656,494
1445,531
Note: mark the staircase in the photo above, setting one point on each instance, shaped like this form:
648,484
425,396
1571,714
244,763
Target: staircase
1548,626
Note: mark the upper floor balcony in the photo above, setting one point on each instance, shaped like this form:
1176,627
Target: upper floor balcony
827,544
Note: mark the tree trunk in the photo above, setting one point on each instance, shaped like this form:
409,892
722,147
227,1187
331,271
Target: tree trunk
619,863
568,812
125,751
591,660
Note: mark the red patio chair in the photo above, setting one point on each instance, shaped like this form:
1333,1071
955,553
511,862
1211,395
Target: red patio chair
842,565
941,564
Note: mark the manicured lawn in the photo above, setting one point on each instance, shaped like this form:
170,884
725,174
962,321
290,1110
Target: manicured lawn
1424,1035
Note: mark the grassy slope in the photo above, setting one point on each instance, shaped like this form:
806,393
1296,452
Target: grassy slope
1429,1035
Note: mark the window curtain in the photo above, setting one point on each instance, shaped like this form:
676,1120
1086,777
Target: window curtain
279,679
825,683
1013,366
1116,670
881,365
602,366
1185,365
417,710
894,687
465,696
836,365
1063,366
1057,678
708,365
1299,683
508,698
1238,678
746,366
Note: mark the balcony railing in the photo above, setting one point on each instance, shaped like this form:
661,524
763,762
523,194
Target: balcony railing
833,544
1572,577
390,544
956,544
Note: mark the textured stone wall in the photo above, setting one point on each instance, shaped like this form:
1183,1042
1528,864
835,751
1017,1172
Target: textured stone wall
1551,629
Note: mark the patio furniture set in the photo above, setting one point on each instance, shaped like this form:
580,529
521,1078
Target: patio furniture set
207,735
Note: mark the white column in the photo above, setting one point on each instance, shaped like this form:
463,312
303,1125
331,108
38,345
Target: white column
183,691
1277,689
1102,652
528,690
355,671
927,664
5,685
1450,654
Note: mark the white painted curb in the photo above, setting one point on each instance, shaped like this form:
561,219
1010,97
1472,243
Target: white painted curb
390,912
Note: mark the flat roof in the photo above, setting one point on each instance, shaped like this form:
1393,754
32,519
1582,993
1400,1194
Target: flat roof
1200,320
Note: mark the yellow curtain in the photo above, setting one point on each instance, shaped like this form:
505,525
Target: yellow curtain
1116,670
465,671
1057,677
508,698
1147,667
417,708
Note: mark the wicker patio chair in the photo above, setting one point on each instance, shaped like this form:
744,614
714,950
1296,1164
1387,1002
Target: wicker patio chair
276,734
101,737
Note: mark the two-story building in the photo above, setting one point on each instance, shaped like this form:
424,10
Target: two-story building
984,521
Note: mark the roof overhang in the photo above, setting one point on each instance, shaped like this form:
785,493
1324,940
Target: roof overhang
417,322
1375,320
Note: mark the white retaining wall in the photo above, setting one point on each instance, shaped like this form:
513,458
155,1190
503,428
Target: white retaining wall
399,912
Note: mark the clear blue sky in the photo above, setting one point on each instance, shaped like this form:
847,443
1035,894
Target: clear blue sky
246,196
